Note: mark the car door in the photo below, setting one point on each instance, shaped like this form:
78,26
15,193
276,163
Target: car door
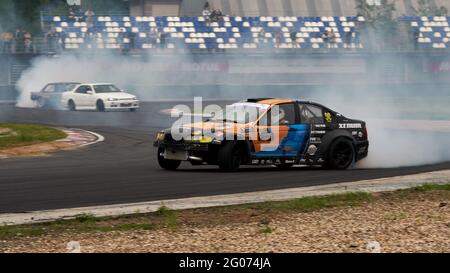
287,135
81,97
317,119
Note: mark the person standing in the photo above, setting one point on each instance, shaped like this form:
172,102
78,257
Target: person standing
19,40
28,43
7,38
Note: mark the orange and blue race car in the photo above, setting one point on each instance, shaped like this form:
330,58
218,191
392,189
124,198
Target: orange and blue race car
266,131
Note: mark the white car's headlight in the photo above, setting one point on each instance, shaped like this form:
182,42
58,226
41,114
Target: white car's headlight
112,99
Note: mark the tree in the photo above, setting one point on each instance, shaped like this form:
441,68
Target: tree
426,8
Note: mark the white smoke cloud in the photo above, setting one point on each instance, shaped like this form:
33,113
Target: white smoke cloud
389,147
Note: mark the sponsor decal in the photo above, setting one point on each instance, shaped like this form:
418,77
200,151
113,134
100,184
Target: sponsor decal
318,132
328,117
350,125
315,140
319,125
360,134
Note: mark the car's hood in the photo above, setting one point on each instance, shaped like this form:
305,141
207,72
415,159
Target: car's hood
115,95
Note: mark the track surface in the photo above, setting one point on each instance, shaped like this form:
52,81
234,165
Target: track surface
123,169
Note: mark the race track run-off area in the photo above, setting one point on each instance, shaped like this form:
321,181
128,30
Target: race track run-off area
123,168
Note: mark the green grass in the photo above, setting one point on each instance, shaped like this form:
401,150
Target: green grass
307,204
166,218
27,134
169,216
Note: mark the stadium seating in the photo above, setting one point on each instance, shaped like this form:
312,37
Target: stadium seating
195,33
433,31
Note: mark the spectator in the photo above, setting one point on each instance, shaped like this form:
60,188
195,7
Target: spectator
216,15
278,39
19,39
71,15
63,36
416,36
28,43
332,38
206,13
294,42
349,38
51,39
153,37
7,38
162,40
89,15
261,36
206,5
326,38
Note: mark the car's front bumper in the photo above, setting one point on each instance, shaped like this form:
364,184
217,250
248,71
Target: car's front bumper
122,104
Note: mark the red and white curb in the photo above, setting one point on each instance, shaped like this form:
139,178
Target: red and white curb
81,138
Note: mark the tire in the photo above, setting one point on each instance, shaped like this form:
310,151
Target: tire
341,154
230,157
167,164
41,103
133,109
71,105
100,106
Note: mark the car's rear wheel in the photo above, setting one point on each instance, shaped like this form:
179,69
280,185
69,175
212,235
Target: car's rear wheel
167,164
100,106
341,154
71,105
230,157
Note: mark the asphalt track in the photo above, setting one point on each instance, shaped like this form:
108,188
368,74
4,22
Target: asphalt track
123,168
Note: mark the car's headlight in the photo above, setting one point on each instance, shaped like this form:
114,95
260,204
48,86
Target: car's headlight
134,98
202,139
112,99
160,136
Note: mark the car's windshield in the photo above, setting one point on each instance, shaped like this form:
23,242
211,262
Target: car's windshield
106,88
240,113
65,87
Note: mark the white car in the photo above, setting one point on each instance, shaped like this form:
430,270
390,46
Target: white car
100,97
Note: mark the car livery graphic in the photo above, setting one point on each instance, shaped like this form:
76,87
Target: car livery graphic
283,133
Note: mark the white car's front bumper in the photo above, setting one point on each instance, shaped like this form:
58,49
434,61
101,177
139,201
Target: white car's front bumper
122,104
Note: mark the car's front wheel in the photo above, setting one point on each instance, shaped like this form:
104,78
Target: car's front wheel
230,157
167,164
41,103
341,154
100,106
71,105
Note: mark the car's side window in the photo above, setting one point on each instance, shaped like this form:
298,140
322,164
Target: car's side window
82,89
311,114
49,88
285,115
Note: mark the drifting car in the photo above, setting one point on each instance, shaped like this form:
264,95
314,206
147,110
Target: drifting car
100,97
50,95
300,133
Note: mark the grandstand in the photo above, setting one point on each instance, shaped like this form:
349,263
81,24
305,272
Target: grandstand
195,33
433,31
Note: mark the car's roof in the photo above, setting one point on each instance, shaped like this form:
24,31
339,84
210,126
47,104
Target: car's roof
271,101
98,83
63,83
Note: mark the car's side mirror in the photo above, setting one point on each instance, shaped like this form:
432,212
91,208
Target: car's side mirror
89,92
